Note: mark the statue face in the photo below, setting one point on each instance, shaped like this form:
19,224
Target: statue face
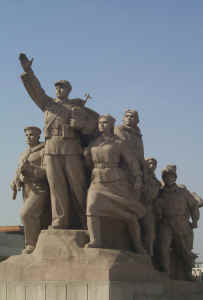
32,138
169,179
152,164
130,119
105,125
61,92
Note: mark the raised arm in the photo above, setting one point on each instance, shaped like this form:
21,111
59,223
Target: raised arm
32,84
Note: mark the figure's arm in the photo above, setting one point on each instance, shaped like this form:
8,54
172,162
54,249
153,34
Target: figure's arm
32,84
193,208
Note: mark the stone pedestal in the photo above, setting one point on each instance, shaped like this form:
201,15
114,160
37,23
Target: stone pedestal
61,268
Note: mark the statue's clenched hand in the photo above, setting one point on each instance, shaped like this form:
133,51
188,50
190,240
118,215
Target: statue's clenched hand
25,62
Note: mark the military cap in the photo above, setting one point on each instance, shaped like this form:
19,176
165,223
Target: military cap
64,83
169,169
33,128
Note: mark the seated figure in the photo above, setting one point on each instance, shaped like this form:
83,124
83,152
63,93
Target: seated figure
110,193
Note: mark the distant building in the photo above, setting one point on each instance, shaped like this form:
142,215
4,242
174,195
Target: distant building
197,271
11,241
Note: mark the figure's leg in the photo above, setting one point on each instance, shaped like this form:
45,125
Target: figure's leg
94,229
148,226
30,216
134,230
59,191
165,241
75,173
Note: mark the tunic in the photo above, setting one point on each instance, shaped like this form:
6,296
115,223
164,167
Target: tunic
110,193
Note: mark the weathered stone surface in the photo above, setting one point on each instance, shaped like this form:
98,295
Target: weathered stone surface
100,290
60,255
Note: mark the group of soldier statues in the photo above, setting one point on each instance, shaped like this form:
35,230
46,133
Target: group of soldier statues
87,172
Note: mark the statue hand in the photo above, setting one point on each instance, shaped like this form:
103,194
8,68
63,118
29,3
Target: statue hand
25,62
14,189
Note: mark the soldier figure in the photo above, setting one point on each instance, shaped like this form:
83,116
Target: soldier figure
65,121
130,133
31,177
150,195
110,194
175,206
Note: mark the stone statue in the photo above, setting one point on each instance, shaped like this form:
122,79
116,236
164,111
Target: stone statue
151,191
31,178
175,206
66,121
110,194
131,134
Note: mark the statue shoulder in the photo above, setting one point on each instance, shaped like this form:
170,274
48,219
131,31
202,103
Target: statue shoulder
76,101
182,187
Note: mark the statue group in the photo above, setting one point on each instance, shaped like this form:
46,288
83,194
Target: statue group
88,172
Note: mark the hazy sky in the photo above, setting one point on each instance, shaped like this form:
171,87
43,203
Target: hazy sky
144,55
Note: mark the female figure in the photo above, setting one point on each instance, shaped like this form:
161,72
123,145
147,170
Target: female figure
110,192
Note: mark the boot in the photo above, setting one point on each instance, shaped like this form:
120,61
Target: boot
94,230
28,249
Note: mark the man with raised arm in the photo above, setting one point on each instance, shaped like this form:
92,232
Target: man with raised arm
66,120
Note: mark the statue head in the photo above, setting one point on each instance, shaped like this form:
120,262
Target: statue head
169,175
151,163
32,134
106,124
131,118
63,89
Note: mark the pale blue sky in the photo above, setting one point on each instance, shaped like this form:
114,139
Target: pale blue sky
145,55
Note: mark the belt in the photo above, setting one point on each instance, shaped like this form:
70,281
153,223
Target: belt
105,165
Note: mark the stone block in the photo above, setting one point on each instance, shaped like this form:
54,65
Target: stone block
15,290
77,291
98,291
56,290
35,291
2,290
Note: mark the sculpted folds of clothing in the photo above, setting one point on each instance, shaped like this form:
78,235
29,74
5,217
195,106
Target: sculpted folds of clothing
110,194
63,148
176,205
133,137
176,202
151,189
61,138
35,192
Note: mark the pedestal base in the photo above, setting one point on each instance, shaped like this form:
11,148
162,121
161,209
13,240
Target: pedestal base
61,268
99,290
